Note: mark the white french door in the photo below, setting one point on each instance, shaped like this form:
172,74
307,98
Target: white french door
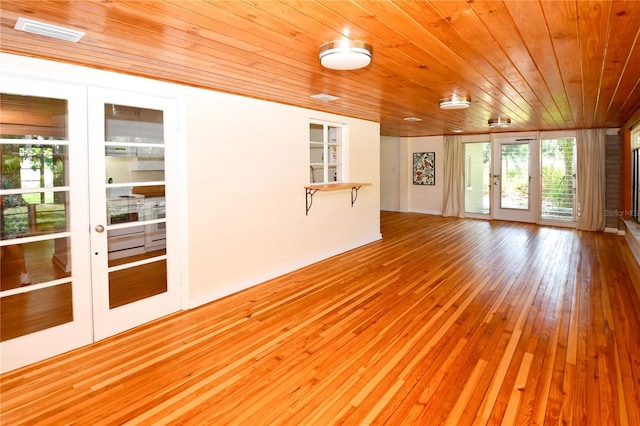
45,281
76,159
515,179
130,136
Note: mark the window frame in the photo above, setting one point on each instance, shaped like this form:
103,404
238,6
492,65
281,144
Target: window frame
323,142
635,173
556,135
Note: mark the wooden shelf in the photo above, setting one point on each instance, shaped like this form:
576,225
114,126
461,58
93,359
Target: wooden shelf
336,186
310,190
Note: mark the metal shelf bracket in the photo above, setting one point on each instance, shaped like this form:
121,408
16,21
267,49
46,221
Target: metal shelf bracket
310,192
354,194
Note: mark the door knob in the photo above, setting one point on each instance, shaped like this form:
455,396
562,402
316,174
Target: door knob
99,229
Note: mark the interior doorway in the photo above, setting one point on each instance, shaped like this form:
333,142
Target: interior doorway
61,157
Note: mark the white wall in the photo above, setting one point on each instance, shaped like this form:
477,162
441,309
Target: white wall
391,181
248,163
397,191
425,198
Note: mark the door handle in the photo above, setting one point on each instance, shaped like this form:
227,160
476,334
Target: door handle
99,229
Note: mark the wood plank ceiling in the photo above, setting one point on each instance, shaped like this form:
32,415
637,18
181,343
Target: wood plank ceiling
544,64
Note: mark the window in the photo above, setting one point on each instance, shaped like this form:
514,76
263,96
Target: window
635,174
325,152
558,160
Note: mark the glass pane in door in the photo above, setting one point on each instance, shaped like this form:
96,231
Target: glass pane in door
21,316
35,241
26,264
514,179
137,283
135,203
477,177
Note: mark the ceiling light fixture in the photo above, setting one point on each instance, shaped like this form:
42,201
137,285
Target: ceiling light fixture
455,102
500,122
345,54
412,119
48,30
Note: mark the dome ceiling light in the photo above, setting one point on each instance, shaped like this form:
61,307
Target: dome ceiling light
455,102
345,54
500,122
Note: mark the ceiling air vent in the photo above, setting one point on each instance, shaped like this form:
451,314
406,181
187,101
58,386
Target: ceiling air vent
325,97
48,30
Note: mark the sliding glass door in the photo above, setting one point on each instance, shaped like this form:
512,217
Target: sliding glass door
477,179
523,178
558,179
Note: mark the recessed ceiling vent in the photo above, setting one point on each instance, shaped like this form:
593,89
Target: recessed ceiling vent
325,97
48,30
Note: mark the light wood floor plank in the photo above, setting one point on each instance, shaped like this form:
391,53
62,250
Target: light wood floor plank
444,321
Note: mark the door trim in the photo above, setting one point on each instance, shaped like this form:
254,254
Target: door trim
532,213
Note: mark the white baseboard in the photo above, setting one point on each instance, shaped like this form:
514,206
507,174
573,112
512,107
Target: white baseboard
432,212
245,284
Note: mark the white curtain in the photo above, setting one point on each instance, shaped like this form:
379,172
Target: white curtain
591,178
453,202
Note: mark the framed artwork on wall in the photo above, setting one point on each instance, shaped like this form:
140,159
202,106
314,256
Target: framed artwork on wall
424,168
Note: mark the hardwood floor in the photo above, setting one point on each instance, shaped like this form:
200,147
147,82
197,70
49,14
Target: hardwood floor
444,321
